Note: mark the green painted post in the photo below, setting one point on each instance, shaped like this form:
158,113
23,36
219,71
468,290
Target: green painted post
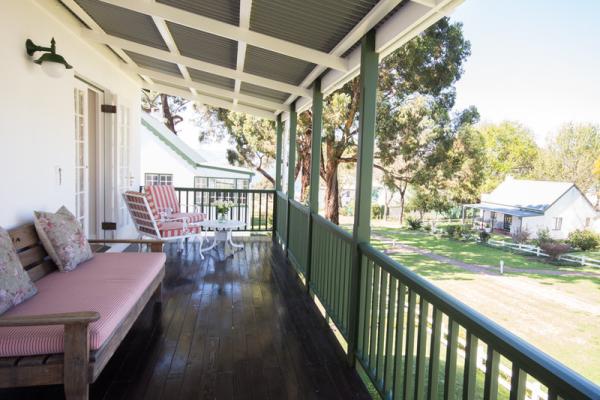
278,153
369,63
293,121
315,165
278,157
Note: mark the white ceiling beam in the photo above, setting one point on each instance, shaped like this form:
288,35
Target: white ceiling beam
233,32
89,21
165,33
194,63
426,3
377,13
208,100
245,11
209,89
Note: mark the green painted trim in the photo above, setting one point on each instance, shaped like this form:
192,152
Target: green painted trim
293,121
185,157
278,153
315,157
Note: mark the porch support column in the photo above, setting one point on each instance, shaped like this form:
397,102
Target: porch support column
293,121
369,63
315,166
278,152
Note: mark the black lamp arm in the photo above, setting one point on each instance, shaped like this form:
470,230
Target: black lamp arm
32,47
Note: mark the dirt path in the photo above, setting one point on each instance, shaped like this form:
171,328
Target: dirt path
400,248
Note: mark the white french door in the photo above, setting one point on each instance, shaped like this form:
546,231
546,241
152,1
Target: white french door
81,155
124,178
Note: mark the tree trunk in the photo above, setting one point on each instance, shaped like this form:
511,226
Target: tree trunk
402,193
166,110
305,170
332,195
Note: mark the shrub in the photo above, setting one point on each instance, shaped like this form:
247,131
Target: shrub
484,236
413,223
543,236
451,229
522,236
457,231
584,239
555,249
377,212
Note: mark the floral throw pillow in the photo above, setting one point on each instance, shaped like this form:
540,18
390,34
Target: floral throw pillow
15,284
63,238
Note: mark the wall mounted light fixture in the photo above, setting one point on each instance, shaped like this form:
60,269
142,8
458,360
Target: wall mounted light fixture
53,64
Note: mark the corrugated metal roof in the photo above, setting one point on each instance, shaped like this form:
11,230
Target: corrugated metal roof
527,194
515,212
124,23
211,79
223,10
154,63
262,92
319,24
255,106
276,66
170,84
204,46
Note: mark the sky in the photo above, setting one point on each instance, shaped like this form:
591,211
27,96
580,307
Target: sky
533,61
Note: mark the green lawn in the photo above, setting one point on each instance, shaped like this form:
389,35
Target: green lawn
558,314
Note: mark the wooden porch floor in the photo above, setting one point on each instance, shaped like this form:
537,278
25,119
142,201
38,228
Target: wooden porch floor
239,328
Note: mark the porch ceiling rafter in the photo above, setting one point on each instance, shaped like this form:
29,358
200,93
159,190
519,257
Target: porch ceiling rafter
237,33
245,11
209,100
209,89
194,63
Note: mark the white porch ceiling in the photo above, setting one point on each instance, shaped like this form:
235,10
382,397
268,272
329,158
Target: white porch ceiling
255,56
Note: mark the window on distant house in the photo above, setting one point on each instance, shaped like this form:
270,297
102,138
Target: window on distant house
557,223
158,179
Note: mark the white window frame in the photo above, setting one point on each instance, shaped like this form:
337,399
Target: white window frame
558,223
154,178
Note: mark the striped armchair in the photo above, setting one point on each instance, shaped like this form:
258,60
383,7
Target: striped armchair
163,202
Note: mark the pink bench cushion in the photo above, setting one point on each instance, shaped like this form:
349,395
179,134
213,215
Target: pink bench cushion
109,283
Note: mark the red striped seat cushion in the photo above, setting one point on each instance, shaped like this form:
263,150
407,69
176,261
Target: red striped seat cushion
161,197
109,283
191,217
173,229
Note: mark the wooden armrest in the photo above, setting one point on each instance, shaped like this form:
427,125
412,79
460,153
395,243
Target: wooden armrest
79,317
155,245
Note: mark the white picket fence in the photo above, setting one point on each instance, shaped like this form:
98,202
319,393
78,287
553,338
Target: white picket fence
527,248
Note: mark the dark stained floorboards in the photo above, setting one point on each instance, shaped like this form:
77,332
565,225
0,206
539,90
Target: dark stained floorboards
238,328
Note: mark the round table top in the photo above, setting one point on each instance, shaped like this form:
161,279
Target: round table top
218,224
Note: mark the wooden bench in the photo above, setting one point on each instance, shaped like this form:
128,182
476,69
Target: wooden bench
77,367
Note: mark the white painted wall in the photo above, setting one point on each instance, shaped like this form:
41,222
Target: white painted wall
157,157
572,207
36,111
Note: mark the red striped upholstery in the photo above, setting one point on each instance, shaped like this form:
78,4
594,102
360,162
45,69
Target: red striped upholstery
190,217
161,197
176,228
109,283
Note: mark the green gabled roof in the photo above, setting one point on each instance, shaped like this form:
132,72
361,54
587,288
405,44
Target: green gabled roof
186,157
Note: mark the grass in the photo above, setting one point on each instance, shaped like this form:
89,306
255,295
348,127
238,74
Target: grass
558,314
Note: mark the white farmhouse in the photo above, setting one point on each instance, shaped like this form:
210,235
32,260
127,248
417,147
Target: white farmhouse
169,160
517,205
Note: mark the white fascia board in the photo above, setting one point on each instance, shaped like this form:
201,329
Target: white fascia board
194,63
232,32
211,101
209,90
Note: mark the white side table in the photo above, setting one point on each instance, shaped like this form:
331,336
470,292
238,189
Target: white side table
222,230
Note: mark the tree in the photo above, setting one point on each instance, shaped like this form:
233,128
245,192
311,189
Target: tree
170,107
510,149
570,155
253,139
596,173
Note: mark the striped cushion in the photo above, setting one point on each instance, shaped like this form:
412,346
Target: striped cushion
173,229
161,197
109,283
191,217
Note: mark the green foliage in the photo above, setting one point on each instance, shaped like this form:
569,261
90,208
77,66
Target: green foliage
377,211
543,236
571,155
510,149
484,236
414,223
584,239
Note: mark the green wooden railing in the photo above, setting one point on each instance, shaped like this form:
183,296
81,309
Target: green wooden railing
298,240
281,218
413,340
